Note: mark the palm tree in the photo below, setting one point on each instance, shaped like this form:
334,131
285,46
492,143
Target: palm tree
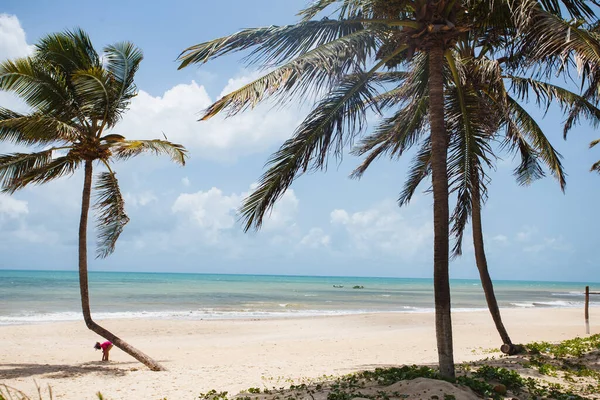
480,109
76,97
344,56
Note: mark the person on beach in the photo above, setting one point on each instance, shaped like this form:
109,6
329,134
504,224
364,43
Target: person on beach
105,347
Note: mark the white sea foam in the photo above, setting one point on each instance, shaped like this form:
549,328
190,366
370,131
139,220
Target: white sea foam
554,304
569,294
213,314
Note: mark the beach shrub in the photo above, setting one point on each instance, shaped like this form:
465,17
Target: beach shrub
511,379
387,376
213,395
575,347
478,386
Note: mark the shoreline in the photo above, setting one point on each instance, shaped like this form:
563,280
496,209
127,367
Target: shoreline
241,316
234,355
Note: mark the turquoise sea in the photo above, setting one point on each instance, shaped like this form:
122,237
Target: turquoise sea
38,296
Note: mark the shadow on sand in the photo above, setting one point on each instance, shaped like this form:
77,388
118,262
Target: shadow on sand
12,371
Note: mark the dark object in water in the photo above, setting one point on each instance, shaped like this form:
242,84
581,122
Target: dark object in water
338,286
358,287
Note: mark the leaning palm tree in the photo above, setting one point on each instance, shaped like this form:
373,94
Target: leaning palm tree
357,46
76,98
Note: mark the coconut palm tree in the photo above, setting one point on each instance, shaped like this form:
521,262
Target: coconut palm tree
76,97
344,55
480,110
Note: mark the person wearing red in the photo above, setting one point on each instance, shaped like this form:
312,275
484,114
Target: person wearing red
105,347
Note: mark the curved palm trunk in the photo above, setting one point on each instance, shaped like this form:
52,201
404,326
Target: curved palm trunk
482,266
83,280
439,146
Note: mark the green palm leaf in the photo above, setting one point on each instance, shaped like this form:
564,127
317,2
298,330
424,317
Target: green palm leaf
308,148
122,61
34,129
273,44
111,213
316,69
19,170
130,148
14,166
35,84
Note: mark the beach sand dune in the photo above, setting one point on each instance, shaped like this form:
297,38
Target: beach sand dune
233,355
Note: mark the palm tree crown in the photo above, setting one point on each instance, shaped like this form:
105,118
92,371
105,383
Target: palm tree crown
75,97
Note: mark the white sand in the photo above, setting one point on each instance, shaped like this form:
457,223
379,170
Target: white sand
233,355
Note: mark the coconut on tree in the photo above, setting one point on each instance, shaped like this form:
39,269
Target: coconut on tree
76,98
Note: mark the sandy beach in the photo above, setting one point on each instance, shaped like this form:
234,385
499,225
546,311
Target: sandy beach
234,355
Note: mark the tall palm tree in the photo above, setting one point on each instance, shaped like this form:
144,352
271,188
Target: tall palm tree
76,97
480,109
343,54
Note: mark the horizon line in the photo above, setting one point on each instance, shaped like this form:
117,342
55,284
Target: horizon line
292,275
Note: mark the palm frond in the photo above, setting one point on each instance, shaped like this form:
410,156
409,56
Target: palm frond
111,213
39,88
314,70
95,93
419,170
34,129
19,170
471,124
524,131
68,51
122,61
394,135
14,166
546,94
548,41
273,44
334,121
124,149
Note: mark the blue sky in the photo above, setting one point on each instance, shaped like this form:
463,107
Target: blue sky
183,219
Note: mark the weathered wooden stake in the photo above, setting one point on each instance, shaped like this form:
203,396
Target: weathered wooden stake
587,311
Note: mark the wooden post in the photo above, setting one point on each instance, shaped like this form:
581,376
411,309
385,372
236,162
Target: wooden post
587,311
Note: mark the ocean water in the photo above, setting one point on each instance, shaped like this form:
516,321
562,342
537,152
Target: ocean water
40,296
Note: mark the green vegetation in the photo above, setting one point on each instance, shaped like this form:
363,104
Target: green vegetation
576,347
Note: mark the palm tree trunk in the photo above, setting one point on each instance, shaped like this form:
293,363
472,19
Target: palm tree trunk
439,180
83,280
486,281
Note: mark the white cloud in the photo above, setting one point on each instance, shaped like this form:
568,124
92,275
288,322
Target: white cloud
12,38
36,234
500,239
211,210
215,212
140,199
13,44
12,207
526,234
315,238
550,243
177,111
383,228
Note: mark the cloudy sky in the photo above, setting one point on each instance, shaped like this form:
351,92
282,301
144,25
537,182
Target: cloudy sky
184,219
